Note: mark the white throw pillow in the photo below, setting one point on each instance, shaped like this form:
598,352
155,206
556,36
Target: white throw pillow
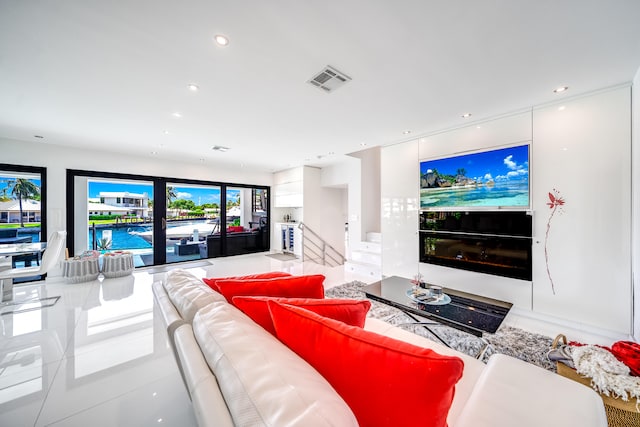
188,293
262,381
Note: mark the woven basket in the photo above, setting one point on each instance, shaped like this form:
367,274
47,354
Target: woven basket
620,413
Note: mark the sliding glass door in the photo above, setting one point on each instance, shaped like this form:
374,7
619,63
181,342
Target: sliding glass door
161,220
192,215
120,217
246,220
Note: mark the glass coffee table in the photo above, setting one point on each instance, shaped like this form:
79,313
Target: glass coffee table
467,312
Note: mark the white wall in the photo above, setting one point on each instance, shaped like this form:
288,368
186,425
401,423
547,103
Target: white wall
509,130
400,209
348,173
323,210
370,190
592,261
582,149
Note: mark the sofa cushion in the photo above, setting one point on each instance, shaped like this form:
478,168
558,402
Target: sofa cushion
288,287
262,381
511,389
385,382
213,281
350,311
188,294
473,368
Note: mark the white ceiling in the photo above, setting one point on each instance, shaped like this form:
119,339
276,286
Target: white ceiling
109,74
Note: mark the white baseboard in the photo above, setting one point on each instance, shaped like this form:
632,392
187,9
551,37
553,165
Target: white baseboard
552,326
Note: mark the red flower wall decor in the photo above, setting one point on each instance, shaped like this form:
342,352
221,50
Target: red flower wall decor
555,203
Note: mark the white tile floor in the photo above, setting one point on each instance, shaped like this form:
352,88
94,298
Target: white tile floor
100,355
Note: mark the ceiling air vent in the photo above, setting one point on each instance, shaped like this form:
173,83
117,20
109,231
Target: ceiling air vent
329,79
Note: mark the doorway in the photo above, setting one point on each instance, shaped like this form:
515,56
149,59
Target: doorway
164,220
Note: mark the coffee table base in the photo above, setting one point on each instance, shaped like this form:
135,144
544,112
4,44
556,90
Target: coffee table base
429,324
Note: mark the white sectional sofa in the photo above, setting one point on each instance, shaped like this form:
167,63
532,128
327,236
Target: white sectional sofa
238,374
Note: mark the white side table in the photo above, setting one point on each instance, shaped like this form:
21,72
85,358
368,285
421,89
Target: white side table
117,264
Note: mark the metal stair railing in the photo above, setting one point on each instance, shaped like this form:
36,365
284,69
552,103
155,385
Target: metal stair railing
316,249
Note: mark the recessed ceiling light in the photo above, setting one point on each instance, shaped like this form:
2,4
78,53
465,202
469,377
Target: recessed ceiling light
466,115
406,132
221,40
331,153
176,114
201,160
154,153
166,132
562,107
561,89
478,127
363,144
193,88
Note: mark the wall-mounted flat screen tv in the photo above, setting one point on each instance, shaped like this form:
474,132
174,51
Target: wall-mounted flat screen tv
489,179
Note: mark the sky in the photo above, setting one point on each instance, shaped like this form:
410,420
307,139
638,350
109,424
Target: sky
510,164
4,182
199,195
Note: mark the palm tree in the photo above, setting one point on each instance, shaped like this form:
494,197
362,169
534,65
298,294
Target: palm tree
23,189
171,194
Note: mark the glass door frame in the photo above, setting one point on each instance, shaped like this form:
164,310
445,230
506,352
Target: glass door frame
43,191
42,171
159,206
70,190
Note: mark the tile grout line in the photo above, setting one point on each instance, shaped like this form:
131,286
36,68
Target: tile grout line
64,354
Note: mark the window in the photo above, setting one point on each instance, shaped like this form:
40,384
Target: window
23,209
163,220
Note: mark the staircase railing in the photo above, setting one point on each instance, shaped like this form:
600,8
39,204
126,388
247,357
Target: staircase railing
316,249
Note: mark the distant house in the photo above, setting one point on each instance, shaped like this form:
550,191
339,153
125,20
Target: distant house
97,208
10,211
136,204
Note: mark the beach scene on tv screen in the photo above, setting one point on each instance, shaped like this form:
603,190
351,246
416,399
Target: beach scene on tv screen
496,178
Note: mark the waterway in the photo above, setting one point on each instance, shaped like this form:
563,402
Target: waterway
122,239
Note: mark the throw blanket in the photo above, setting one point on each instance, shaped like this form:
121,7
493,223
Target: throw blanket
608,375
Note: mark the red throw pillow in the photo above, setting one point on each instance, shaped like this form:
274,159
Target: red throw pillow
350,311
212,282
288,287
384,381
235,228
